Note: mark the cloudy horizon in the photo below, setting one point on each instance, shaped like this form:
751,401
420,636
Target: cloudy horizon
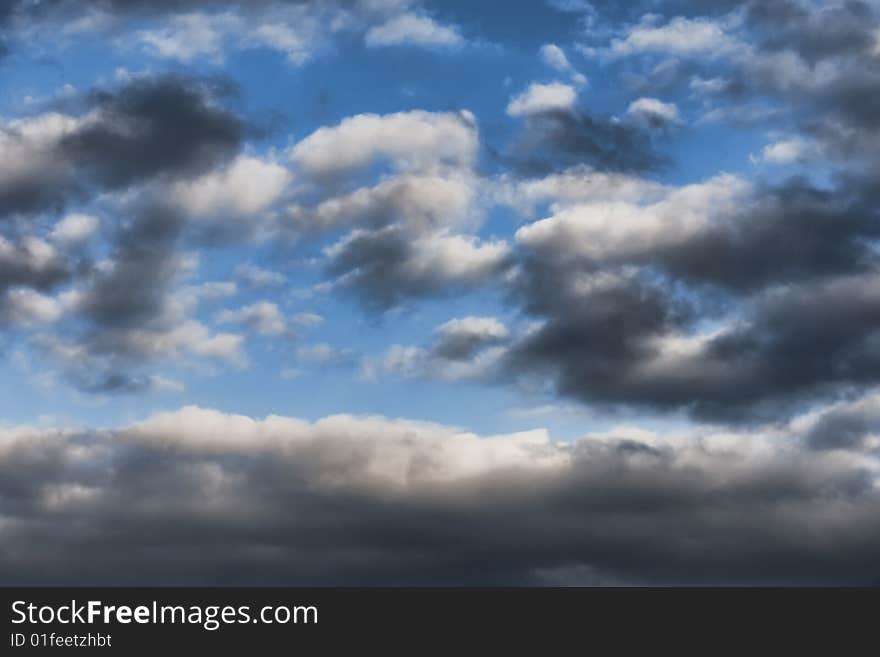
429,292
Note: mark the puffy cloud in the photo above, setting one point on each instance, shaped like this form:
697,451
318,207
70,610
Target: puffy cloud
264,317
413,140
538,98
620,230
244,188
787,151
23,306
653,112
416,200
414,29
344,499
75,228
190,36
555,57
699,301
469,348
152,127
680,36
388,266
404,240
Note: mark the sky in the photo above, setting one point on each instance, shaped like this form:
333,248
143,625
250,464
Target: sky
390,292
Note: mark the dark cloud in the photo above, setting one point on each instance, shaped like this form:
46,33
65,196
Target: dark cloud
171,505
132,290
792,232
789,278
392,265
155,126
558,139
792,344
31,263
164,126
814,32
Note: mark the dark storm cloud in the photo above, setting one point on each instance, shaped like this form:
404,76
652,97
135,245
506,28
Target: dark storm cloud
168,504
792,344
557,139
792,232
792,272
164,126
155,126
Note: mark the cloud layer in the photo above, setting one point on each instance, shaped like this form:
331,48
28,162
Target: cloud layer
197,496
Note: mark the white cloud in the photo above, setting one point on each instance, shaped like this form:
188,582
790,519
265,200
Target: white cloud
620,229
576,185
541,98
414,29
653,111
23,306
74,228
391,452
787,151
555,57
190,36
483,326
417,200
244,188
416,140
264,317
681,36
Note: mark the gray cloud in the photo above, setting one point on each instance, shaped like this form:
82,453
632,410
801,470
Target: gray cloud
391,265
555,139
173,501
163,126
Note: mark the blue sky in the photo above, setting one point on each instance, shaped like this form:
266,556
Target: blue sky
602,237
492,60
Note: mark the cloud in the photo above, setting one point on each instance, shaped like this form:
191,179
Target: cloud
654,113
555,57
151,128
413,140
409,233
680,36
540,98
344,500
133,312
420,201
74,228
388,266
245,187
465,349
698,300
190,36
787,151
257,276
263,317
414,29
209,29
556,139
